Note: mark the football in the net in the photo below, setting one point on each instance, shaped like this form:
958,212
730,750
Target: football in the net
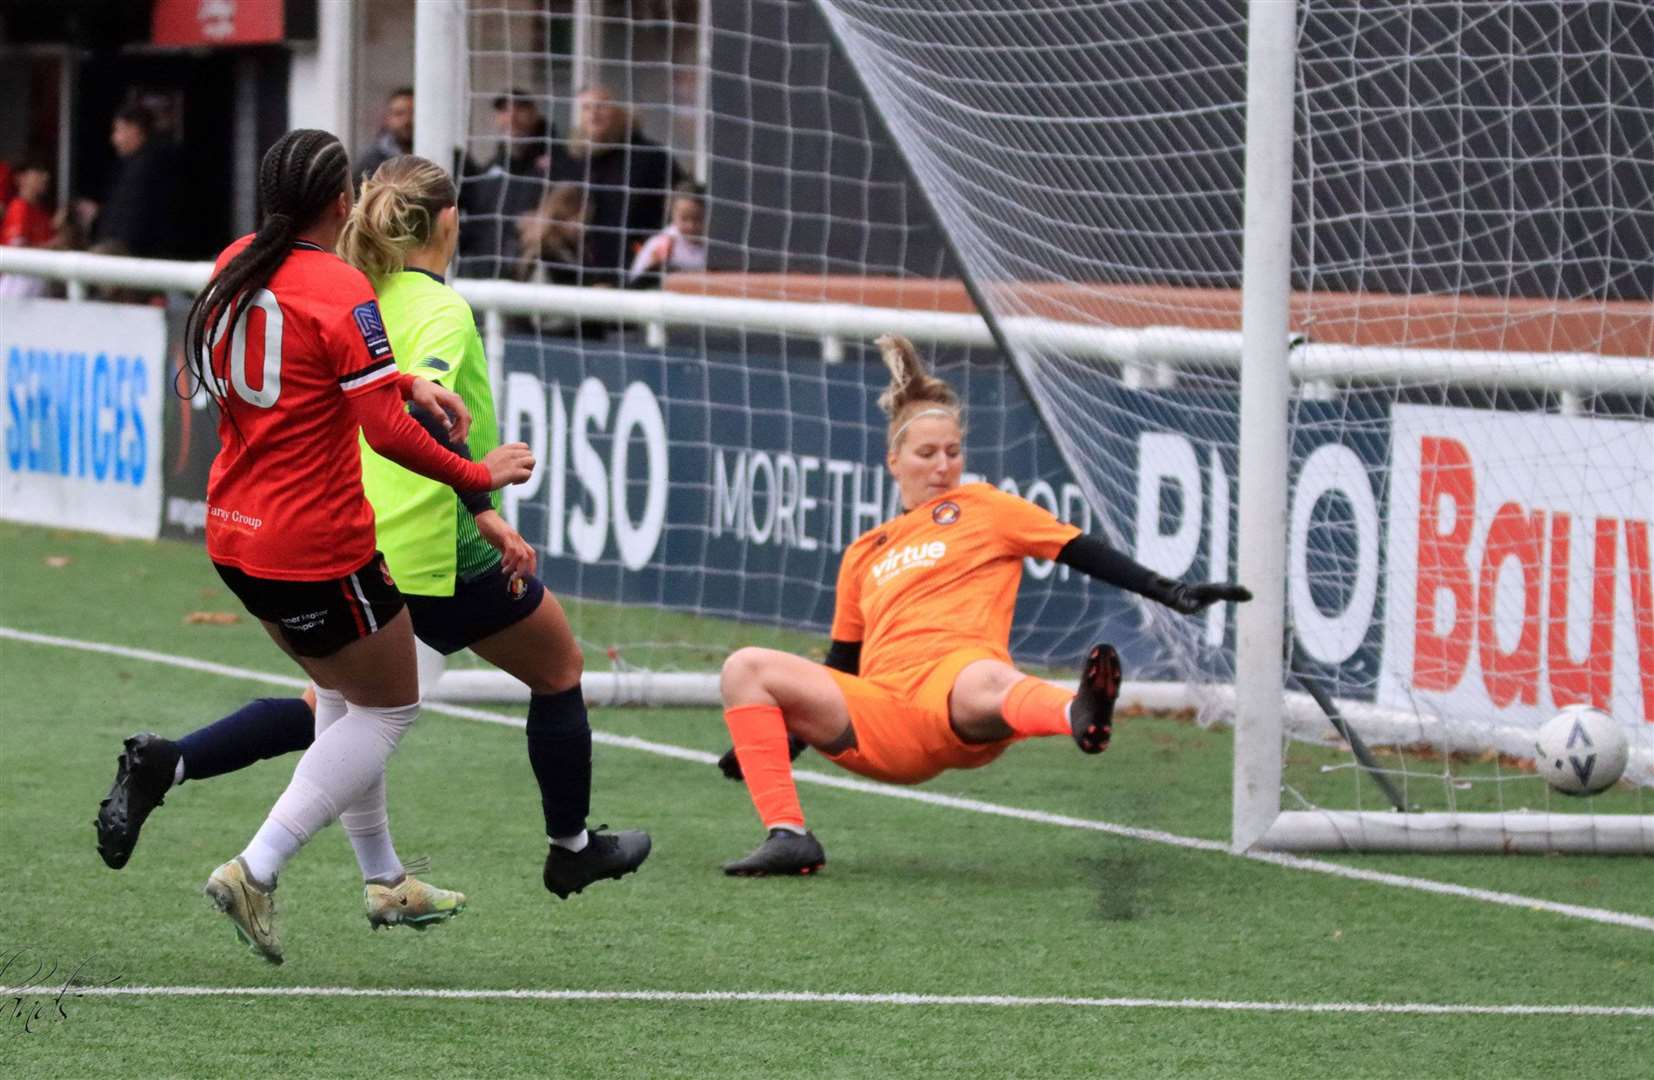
1581,750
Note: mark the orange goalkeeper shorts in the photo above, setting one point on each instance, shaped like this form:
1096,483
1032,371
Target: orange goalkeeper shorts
901,721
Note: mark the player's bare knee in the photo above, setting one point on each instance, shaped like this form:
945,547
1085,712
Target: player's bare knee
565,672
981,687
998,689
552,685
743,673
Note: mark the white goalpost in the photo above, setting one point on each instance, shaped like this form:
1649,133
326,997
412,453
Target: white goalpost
1265,390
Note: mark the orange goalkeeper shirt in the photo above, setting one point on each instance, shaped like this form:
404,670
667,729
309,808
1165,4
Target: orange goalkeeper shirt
942,576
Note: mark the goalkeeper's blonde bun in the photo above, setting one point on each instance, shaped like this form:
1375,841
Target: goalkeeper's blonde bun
912,389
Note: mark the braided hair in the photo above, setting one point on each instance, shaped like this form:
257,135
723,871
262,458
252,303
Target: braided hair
300,176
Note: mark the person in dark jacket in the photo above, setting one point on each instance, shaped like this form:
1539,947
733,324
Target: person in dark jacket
139,210
510,184
526,136
395,136
627,179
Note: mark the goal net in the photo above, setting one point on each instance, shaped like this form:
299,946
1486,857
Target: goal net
707,465
1471,426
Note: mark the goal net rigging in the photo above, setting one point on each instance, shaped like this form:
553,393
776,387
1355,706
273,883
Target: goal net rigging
1471,427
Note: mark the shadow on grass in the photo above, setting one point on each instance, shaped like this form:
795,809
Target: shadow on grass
1132,883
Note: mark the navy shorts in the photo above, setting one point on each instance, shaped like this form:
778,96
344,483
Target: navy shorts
318,618
480,607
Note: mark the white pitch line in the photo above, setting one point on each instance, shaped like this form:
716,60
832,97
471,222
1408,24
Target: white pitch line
806,997
952,802
168,659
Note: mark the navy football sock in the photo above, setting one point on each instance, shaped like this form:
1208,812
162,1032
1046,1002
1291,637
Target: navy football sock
266,728
560,752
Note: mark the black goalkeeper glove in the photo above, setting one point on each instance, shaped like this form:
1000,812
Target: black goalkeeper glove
1091,556
1193,599
731,768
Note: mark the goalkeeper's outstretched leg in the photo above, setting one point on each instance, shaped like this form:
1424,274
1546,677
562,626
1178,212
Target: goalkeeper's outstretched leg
919,678
958,713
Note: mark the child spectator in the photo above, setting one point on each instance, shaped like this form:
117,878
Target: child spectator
28,223
680,247
28,220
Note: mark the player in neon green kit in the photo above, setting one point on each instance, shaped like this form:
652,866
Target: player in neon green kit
423,528
465,573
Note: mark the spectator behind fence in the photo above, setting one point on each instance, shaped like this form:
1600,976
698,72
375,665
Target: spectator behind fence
678,248
28,217
552,244
120,294
396,134
526,136
551,239
510,184
74,224
27,222
138,210
626,177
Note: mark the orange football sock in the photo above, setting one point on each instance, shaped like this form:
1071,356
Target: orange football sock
1034,707
760,737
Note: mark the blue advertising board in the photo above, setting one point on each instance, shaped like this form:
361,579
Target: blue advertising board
727,483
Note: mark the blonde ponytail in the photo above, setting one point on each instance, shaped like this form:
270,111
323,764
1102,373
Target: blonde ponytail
912,389
396,214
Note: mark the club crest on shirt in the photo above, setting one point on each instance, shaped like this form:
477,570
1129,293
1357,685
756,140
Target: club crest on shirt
372,328
945,513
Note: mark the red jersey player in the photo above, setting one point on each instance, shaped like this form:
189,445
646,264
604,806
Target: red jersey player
288,340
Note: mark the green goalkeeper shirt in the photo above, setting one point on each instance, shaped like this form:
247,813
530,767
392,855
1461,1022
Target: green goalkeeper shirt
427,536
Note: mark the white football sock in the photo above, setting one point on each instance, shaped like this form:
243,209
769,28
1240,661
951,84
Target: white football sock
269,851
368,825
330,705
576,843
340,768
366,821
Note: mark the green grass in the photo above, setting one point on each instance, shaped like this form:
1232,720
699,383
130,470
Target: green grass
917,899
672,640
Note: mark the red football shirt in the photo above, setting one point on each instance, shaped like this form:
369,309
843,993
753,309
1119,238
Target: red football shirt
284,499
26,225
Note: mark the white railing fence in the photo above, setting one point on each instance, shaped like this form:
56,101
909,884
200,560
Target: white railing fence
1147,354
